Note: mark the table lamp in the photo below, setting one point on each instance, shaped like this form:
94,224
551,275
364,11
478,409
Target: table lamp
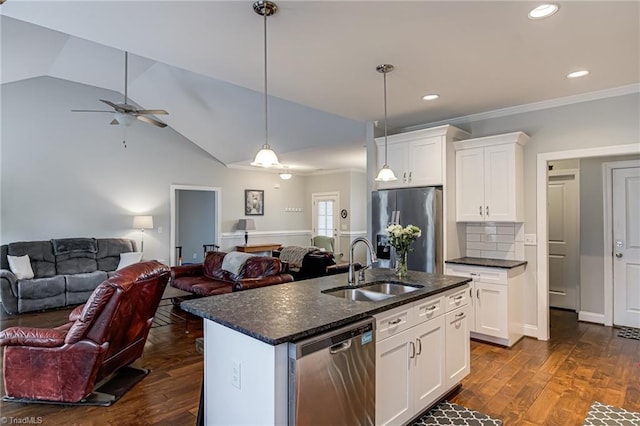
142,223
246,225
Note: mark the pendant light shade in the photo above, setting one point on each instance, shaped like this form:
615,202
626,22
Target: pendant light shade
266,157
385,174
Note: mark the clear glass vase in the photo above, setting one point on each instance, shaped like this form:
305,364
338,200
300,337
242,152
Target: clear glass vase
401,263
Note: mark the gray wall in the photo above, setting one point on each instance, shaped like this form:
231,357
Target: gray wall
67,174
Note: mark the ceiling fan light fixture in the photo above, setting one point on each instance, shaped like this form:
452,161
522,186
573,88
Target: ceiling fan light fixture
543,11
385,174
124,119
266,157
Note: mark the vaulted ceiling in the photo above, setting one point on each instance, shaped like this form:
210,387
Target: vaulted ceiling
203,62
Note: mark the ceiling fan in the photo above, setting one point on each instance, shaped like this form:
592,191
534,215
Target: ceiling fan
125,113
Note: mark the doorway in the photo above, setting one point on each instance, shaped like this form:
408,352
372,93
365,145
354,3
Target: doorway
195,222
324,221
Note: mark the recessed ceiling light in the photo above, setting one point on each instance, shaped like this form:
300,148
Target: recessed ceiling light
577,74
543,11
430,97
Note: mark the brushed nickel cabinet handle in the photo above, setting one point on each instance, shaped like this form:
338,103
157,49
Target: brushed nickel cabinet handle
419,346
412,350
395,321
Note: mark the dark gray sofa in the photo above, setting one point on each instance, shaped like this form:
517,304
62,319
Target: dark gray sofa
66,271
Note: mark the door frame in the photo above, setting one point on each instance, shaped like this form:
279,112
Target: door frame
576,177
542,250
607,169
321,195
172,202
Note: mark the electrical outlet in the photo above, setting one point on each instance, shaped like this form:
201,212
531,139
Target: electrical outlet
160,230
195,255
236,376
529,239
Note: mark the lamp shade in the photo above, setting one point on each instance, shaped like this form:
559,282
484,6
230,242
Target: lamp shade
143,222
246,224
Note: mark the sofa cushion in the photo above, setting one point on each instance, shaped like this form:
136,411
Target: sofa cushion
202,286
85,282
43,262
40,288
261,266
21,267
109,250
75,255
212,267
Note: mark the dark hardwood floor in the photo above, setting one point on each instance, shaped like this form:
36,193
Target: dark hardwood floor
533,383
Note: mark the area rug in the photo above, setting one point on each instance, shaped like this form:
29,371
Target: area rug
607,415
105,395
164,316
629,333
448,413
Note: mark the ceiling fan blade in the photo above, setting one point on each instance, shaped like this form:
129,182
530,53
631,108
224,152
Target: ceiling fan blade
152,111
90,110
151,121
111,104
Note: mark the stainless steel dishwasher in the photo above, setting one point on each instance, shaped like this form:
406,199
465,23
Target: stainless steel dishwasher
332,377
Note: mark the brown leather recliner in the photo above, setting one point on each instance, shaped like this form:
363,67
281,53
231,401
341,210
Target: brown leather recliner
105,334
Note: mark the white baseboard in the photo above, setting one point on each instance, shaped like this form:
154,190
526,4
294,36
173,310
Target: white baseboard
591,317
530,330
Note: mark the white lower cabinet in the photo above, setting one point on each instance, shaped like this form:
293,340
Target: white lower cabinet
496,302
421,353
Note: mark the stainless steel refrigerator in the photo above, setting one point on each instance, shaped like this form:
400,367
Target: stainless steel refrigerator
421,207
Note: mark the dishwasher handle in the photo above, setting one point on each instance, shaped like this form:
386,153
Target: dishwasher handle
340,347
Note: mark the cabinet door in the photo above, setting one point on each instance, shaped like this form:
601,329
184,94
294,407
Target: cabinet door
396,159
428,364
425,162
458,346
394,398
499,183
491,309
470,185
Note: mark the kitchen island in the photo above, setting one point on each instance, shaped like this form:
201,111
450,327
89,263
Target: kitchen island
247,336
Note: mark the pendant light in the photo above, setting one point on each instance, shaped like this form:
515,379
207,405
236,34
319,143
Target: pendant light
385,174
266,157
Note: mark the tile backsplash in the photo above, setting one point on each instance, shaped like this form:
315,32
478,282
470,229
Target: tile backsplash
495,240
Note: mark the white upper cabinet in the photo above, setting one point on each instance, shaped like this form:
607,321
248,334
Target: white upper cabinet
490,178
417,158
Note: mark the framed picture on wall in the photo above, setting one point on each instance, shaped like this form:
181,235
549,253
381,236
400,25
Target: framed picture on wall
253,202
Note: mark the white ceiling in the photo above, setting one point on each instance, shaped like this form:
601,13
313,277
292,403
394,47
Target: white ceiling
479,56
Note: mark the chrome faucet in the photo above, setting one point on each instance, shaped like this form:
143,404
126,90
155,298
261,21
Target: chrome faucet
372,254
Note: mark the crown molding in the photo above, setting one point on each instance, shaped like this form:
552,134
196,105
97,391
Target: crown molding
535,106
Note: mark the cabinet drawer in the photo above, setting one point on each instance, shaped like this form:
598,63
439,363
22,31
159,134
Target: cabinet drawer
457,298
392,322
478,273
428,309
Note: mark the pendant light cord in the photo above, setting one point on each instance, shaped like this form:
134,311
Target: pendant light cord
266,120
126,67
384,75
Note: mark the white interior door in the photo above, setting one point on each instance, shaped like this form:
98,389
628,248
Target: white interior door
626,247
564,234
325,218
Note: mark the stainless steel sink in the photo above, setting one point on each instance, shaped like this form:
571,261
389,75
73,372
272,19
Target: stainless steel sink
373,292
357,294
391,288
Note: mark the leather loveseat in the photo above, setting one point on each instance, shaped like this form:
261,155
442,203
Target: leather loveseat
210,278
66,271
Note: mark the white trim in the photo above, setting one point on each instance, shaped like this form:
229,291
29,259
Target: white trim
542,249
535,106
607,199
530,330
591,317
353,233
172,203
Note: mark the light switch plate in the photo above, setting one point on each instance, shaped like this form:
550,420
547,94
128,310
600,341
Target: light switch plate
529,239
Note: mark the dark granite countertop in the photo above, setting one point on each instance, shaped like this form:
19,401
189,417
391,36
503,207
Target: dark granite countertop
491,263
288,312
